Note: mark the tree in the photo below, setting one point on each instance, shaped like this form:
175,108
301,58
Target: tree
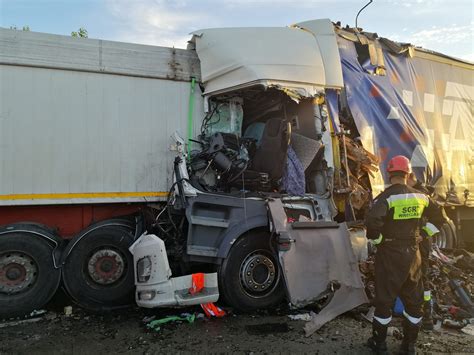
81,32
24,28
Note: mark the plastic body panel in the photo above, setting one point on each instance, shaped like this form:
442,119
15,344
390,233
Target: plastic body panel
162,289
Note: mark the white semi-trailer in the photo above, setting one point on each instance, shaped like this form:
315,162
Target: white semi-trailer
87,163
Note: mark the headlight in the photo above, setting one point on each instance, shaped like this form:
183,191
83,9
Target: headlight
144,269
146,295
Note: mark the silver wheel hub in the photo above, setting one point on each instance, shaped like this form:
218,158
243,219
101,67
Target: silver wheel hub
105,266
258,273
17,272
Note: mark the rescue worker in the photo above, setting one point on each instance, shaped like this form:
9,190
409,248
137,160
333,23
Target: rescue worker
428,231
395,219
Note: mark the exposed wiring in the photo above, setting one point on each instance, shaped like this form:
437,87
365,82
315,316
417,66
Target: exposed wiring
207,119
235,177
168,204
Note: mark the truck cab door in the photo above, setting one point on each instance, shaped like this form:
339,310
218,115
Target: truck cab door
319,265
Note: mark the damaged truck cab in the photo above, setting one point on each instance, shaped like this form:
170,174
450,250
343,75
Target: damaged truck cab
289,131
287,124
266,136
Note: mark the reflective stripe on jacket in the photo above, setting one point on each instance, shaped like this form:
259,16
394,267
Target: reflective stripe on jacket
398,211
430,229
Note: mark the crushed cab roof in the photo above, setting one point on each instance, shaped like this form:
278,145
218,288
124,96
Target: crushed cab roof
303,58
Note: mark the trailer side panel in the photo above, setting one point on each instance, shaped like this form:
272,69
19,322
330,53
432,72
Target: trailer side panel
80,135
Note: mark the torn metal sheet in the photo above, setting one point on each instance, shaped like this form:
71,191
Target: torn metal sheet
345,299
296,92
290,58
320,264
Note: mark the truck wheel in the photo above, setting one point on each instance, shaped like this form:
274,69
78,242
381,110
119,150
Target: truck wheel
445,237
250,277
28,278
98,274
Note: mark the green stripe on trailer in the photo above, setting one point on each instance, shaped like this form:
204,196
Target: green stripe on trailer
190,115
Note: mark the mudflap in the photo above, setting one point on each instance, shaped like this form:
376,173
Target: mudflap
154,285
319,266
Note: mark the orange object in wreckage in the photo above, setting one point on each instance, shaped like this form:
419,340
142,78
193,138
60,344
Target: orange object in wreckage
210,309
198,283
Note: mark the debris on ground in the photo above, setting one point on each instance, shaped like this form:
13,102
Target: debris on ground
394,332
452,324
303,316
156,323
468,329
18,322
452,279
123,331
369,316
37,313
211,310
452,285
33,317
68,311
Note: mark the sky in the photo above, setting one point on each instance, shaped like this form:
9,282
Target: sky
446,26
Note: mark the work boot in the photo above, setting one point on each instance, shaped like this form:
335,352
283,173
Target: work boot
427,316
377,342
410,335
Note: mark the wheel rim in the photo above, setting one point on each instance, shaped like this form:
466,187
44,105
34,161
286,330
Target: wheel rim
258,274
18,272
106,266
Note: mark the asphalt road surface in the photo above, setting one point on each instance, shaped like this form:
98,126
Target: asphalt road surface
125,331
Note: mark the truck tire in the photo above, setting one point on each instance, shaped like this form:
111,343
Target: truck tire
98,274
250,277
445,238
28,278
